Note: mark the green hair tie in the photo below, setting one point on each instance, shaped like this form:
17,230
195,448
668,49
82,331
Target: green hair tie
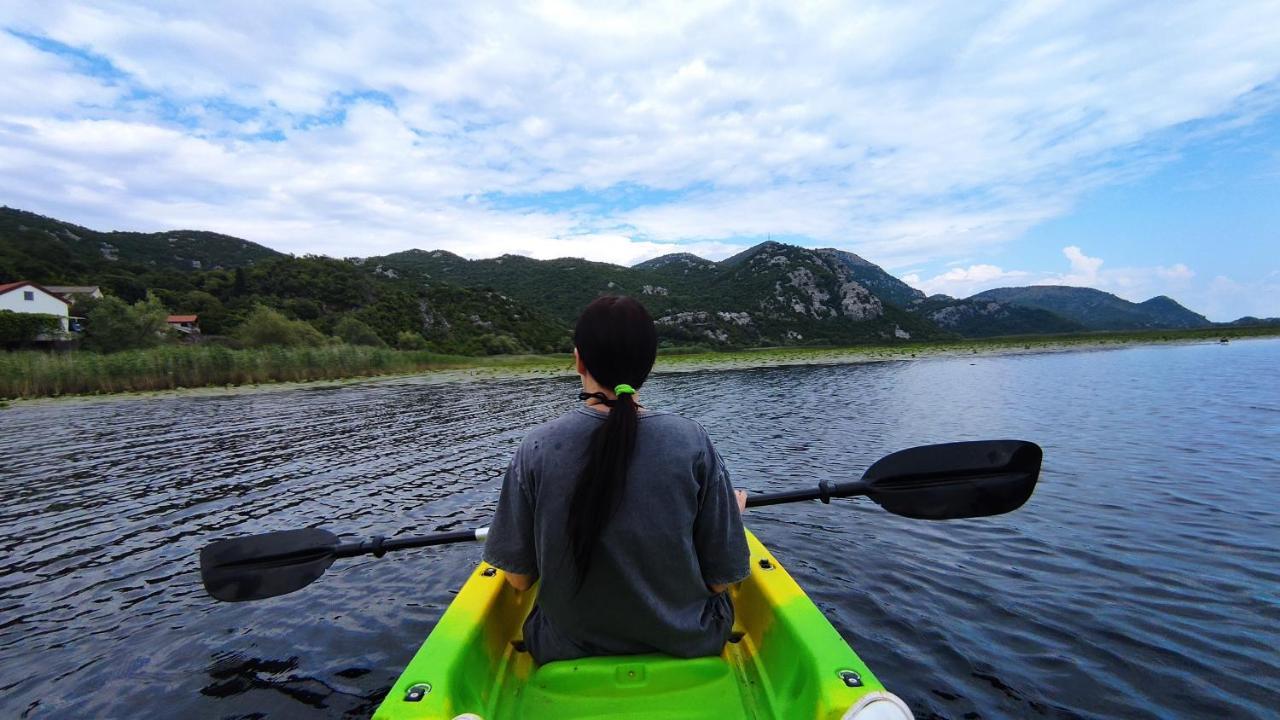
624,389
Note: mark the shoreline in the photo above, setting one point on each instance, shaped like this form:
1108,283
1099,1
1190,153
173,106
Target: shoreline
533,366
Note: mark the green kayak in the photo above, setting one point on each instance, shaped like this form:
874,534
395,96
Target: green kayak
784,660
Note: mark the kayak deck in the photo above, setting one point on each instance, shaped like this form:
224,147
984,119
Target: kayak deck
785,660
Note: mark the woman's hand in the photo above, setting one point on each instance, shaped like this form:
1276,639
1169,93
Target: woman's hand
742,500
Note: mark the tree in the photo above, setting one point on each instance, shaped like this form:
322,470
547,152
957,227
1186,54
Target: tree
355,332
409,340
213,316
265,326
114,325
500,344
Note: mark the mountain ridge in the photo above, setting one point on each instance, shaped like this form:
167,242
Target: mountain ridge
772,293
1097,309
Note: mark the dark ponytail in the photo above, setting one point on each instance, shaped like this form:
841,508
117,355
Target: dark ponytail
617,342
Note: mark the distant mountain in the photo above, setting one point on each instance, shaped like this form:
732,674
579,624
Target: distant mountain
681,262
874,278
1251,321
988,318
770,294
32,245
223,278
1098,310
559,287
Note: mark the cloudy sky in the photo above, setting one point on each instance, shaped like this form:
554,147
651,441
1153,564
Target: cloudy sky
1131,146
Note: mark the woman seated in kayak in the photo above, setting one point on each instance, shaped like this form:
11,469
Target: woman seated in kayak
624,514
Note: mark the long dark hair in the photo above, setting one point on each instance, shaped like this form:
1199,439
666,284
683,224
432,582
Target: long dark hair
617,342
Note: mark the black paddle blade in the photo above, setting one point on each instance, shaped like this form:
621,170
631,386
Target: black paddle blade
956,480
263,566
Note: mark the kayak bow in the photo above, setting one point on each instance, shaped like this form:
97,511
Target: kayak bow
784,660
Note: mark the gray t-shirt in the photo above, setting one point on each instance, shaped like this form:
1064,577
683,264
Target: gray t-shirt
677,530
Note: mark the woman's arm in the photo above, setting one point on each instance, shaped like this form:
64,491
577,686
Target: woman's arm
742,508
510,544
520,582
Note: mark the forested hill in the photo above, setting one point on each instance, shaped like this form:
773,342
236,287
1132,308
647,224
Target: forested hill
62,253
222,279
1098,310
770,294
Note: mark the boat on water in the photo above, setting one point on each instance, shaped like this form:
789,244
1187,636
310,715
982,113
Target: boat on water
783,660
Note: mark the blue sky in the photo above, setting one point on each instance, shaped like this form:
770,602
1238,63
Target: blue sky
1130,146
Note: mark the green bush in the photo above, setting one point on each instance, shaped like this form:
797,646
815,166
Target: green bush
494,344
354,332
409,340
264,326
25,327
114,325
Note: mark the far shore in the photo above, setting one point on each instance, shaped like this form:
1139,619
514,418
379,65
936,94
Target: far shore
457,369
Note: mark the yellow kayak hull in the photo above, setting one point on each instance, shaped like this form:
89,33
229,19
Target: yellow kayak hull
785,660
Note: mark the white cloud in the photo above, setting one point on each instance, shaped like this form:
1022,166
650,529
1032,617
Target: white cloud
1224,298
908,133
963,282
1177,272
1084,269
1132,283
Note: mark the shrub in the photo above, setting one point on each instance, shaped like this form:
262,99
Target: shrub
16,328
409,340
265,326
114,325
355,332
500,344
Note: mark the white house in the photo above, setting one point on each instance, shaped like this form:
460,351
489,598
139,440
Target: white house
27,297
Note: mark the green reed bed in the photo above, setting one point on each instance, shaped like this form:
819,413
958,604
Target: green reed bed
38,374
30,374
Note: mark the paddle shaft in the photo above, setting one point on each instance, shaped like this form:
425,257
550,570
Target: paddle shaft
824,492
934,482
379,546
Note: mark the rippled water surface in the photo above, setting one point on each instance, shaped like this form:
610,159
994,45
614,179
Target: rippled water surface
1141,581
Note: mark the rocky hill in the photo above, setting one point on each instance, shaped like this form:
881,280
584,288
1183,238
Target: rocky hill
1098,310
770,294
989,318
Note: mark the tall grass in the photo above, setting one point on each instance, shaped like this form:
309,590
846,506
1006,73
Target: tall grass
29,374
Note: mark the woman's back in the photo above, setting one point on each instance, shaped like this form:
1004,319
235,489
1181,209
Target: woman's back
675,531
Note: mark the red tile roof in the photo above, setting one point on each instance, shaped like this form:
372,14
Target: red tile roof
182,318
6,287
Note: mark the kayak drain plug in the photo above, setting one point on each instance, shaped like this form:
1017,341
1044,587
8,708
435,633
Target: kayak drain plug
415,693
851,678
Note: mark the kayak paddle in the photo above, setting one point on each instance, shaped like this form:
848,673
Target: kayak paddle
931,482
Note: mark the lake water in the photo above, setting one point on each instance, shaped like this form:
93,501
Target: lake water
1142,580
